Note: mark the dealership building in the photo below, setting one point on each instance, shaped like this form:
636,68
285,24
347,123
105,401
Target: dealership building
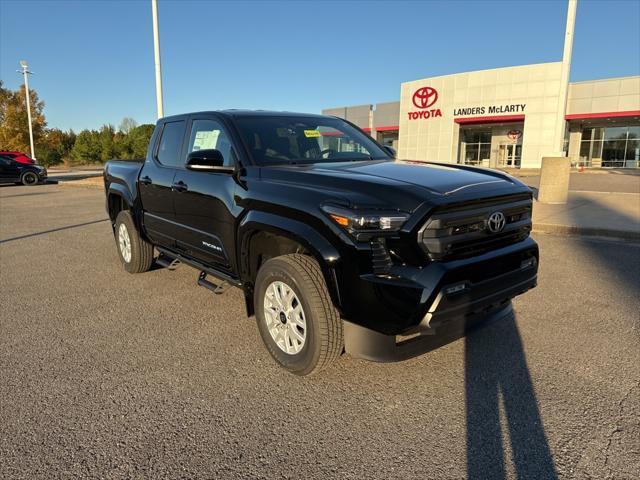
507,117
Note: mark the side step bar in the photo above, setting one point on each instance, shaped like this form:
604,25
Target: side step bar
217,289
167,262
227,280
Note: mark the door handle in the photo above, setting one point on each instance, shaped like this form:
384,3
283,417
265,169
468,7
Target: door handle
179,187
146,180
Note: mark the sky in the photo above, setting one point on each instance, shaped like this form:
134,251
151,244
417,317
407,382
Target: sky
93,59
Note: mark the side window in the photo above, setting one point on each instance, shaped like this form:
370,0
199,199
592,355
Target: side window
171,144
4,162
209,134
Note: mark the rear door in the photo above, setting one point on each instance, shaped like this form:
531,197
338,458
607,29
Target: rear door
204,207
156,183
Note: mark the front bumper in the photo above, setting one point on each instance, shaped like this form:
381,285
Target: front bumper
361,342
420,302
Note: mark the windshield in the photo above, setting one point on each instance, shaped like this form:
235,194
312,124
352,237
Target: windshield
298,139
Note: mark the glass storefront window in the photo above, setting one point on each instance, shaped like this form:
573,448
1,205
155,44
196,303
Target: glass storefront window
485,151
612,147
471,154
476,136
613,154
615,133
632,157
585,152
477,144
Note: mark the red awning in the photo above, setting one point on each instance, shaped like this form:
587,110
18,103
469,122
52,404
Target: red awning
580,116
492,119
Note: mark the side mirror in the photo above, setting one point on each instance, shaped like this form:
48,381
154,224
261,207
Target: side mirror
391,151
207,161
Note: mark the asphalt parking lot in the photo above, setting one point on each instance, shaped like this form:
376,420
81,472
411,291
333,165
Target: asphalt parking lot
111,375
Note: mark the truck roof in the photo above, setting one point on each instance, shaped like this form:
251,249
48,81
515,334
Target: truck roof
247,113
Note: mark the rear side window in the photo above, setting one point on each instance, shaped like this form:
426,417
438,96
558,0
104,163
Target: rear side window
171,144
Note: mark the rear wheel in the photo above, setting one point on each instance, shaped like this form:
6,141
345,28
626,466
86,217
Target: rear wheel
29,178
298,322
136,254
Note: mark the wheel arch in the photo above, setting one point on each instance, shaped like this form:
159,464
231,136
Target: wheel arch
118,199
264,235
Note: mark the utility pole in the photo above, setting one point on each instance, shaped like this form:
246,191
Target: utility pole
24,70
156,51
558,139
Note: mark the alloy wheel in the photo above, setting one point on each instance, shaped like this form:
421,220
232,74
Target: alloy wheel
124,242
285,318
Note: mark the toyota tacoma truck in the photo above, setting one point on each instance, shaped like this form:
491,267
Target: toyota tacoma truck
336,245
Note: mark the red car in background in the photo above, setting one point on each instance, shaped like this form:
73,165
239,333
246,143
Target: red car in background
19,157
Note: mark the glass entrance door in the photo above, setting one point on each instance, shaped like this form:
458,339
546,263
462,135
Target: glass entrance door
510,155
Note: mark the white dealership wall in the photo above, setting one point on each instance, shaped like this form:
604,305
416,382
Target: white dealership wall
602,103
436,138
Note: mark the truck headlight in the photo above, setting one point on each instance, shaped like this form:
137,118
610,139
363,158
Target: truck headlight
365,221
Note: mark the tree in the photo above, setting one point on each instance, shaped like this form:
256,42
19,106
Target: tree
55,146
107,146
14,126
5,94
127,125
139,140
87,148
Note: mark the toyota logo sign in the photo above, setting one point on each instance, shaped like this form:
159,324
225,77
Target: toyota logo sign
496,222
425,97
514,134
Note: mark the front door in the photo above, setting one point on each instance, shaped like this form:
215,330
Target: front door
9,170
509,155
205,208
156,182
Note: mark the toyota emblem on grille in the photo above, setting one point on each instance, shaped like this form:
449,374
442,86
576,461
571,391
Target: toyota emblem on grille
496,222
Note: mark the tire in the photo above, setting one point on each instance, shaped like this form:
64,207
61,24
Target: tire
323,329
136,255
29,179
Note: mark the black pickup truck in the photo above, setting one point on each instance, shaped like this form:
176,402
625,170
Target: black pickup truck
336,245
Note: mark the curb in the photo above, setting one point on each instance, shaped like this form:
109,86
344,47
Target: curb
82,183
585,231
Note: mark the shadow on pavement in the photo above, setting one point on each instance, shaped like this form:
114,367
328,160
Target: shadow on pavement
496,374
609,255
498,383
68,227
28,194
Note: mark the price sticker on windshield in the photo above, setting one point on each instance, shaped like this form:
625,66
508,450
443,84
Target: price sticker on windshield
312,133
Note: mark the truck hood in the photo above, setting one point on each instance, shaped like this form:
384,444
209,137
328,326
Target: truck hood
440,179
400,182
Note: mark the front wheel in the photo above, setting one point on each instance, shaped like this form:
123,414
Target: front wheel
29,178
136,254
297,320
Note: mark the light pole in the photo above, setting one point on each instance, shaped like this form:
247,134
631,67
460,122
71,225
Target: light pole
558,140
156,51
24,69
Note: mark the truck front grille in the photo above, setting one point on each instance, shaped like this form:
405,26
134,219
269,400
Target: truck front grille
463,230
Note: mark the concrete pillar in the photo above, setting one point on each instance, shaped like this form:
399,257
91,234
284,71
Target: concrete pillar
554,180
575,136
372,128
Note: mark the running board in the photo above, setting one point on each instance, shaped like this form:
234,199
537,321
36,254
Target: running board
224,278
217,289
167,262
